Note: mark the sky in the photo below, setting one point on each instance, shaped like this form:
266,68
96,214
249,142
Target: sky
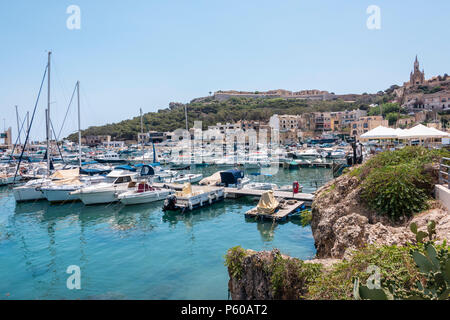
147,53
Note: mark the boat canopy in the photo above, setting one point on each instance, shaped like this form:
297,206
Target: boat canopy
147,170
126,167
231,176
267,204
120,173
66,174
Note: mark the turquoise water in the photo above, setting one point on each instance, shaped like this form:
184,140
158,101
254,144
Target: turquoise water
136,252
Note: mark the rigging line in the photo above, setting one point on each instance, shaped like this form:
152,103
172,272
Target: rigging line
59,150
17,140
67,112
31,122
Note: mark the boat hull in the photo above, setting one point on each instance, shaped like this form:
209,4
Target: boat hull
27,194
145,197
60,195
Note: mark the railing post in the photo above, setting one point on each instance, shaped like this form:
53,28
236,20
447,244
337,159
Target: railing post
440,172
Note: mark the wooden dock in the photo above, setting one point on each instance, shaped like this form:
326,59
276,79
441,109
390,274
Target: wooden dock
307,198
281,214
232,193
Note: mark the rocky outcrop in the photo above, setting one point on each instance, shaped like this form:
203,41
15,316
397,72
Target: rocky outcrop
341,222
259,271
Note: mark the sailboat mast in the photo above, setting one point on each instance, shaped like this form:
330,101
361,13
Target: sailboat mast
79,123
185,115
48,114
142,137
18,125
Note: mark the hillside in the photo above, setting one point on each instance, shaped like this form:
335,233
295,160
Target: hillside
211,111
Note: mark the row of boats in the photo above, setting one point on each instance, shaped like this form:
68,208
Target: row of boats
129,187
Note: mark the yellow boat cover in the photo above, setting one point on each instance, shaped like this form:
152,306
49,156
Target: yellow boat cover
187,190
267,204
211,180
66,174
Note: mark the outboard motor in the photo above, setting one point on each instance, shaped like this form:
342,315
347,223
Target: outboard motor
170,203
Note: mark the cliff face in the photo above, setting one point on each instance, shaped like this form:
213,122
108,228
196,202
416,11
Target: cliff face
341,223
269,275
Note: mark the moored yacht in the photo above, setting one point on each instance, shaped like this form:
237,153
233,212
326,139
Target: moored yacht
117,182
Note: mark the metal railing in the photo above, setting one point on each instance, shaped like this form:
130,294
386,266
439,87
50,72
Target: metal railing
444,171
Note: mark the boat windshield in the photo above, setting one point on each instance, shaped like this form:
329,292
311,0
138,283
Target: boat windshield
125,179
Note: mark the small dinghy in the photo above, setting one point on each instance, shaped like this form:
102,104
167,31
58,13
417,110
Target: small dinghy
144,193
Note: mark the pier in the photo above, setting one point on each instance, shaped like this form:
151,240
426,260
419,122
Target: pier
307,198
280,215
233,193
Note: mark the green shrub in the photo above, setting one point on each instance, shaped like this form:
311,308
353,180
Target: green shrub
397,183
433,283
234,259
396,190
395,264
306,217
291,277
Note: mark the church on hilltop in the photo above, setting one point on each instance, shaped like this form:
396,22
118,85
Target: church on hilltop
416,77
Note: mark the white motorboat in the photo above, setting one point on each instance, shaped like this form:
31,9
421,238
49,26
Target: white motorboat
186,177
109,157
260,186
144,193
117,182
194,197
31,190
6,179
60,191
309,153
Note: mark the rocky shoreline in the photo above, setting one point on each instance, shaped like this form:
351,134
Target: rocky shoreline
340,224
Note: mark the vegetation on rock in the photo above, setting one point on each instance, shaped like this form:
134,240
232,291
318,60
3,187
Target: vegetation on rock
411,188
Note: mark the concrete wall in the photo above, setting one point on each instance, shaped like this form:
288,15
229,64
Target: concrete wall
442,193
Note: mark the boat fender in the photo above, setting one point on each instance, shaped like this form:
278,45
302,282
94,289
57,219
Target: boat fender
190,205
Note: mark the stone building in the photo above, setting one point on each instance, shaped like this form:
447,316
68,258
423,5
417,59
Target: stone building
93,141
365,124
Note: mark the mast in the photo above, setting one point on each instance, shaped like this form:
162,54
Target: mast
185,115
79,123
49,133
28,120
18,125
142,136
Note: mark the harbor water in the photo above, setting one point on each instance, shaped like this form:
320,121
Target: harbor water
138,252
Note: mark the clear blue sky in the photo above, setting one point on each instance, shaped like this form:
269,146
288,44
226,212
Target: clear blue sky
132,54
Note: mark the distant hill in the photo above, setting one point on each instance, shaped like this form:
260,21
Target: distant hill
211,111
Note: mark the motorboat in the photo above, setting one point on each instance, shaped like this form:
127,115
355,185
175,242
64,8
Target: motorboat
117,182
260,186
185,177
144,193
193,197
308,153
60,191
233,179
30,191
109,157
